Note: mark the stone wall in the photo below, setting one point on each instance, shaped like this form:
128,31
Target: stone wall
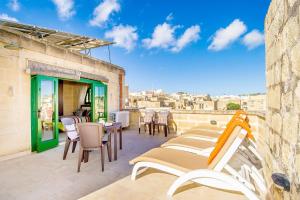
181,121
282,138
71,96
15,123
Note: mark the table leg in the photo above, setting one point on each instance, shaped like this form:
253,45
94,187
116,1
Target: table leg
120,137
115,144
86,156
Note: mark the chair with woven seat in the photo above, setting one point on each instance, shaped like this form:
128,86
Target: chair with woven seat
71,135
148,120
161,120
142,122
91,138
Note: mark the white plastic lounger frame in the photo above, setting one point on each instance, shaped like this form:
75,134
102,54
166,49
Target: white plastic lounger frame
209,177
215,178
212,178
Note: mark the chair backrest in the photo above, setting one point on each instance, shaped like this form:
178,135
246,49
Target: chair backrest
149,116
228,143
90,134
141,118
67,121
163,117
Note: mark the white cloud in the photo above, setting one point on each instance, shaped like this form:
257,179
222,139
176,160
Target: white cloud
14,5
170,17
190,35
6,17
65,8
226,36
253,39
103,11
162,37
124,36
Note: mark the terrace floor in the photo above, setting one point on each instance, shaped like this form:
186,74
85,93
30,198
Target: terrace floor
47,176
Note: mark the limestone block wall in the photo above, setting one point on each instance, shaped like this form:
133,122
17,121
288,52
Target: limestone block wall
71,93
282,137
15,123
181,121
14,105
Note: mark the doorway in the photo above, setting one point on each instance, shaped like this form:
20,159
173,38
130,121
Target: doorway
47,106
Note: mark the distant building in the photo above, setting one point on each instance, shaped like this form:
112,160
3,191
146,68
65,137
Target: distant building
148,104
254,102
185,101
223,101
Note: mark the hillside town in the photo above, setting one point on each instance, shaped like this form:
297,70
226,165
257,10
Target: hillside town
185,101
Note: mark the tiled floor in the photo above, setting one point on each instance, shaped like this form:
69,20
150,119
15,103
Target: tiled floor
47,176
153,185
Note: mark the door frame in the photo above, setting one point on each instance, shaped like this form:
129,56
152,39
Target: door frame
36,130
35,93
94,85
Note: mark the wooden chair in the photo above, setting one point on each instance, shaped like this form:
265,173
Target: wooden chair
91,138
148,120
71,135
162,120
142,122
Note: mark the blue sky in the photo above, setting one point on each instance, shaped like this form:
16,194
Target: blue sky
196,46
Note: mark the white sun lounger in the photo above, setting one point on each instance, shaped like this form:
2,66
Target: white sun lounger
191,167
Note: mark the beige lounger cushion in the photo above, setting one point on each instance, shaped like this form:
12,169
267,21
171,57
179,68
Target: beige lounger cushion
180,160
201,133
207,127
189,143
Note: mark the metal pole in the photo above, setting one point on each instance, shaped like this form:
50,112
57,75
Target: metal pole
109,54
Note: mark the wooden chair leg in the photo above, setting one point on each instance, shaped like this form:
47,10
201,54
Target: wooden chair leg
121,138
86,156
165,129
108,145
74,146
83,156
153,128
102,158
80,157
150,128
139,130
158,128
67,145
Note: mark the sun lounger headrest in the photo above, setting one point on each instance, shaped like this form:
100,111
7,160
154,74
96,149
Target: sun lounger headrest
224,137
239,114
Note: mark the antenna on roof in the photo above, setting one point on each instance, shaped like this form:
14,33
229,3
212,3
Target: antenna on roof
109,53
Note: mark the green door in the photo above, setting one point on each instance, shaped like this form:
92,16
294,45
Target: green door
99,101
44,105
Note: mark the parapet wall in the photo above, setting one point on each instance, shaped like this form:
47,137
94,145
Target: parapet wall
282,138
183,120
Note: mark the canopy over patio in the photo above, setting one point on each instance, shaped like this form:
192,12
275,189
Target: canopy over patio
54,37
